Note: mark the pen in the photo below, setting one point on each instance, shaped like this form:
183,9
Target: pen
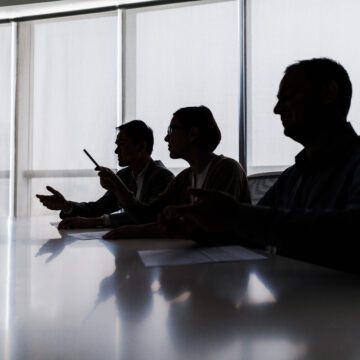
91,158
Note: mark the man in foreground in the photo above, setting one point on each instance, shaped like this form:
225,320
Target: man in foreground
310,210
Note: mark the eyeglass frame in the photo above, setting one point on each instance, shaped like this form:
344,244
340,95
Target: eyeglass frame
173,127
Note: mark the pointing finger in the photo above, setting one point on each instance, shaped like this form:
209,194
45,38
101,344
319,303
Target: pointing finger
52,190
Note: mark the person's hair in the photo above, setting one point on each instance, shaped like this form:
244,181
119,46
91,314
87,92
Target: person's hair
138,131
200,117
318,71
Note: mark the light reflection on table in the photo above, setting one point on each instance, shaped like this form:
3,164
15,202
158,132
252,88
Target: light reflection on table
63,298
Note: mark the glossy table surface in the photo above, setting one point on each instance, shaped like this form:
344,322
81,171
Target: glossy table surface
92,299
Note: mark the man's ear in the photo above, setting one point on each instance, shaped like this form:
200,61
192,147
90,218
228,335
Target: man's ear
330,92
142,146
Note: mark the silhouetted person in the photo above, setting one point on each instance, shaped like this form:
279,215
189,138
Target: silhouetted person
310,211
144,177
193,135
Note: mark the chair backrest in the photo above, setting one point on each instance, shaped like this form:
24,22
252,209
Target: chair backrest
260,183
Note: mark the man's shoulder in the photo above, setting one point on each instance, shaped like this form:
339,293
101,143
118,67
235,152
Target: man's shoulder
290,171
183,175
350,154
349,144
156,167
124,171
158,164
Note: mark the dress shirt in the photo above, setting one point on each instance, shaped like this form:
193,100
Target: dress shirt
139,179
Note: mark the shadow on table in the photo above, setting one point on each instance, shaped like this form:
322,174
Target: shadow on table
260,308
129,283
55,247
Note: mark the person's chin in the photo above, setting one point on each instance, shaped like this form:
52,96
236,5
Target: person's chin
293,133
173,155
289,130
288,133
122,163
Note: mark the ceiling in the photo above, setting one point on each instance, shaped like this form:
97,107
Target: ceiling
12,9
22,2
15,9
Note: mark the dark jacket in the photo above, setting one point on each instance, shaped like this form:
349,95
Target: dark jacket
156,179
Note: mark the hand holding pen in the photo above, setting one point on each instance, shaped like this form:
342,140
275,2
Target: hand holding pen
112,182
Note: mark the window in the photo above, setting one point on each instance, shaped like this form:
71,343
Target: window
81,76
180,56
281,32
5,115
73,105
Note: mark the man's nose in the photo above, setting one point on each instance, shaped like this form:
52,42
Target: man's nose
166,138
277,108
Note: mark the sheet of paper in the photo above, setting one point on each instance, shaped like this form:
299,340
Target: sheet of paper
188,256
91,235
230,253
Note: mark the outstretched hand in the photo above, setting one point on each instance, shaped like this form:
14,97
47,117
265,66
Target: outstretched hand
56,201
213,211
112,182
54,247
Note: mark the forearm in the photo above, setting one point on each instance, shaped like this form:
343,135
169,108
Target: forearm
119,219
81,222
141,213
253,225
272,226
84,209
151,230
323,237
107,204
260,226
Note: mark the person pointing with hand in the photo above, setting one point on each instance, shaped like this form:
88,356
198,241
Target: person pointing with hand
142,177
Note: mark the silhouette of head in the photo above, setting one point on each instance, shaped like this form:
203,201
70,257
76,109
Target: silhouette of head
134,140
192,126
314,96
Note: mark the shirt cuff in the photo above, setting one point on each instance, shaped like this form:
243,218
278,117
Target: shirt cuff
106,220
68,212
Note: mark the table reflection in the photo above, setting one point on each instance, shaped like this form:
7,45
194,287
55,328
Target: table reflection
67,298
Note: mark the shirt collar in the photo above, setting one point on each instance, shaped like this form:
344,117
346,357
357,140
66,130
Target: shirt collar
342,140
142,172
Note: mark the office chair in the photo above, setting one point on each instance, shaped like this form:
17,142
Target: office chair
260,183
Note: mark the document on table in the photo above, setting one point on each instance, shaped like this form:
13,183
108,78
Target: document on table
189,256
91,235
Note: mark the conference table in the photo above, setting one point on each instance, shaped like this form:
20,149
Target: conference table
67,298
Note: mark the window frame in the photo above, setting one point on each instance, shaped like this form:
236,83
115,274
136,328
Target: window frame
22,58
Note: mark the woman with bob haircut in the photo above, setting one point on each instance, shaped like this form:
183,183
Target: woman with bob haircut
192,135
